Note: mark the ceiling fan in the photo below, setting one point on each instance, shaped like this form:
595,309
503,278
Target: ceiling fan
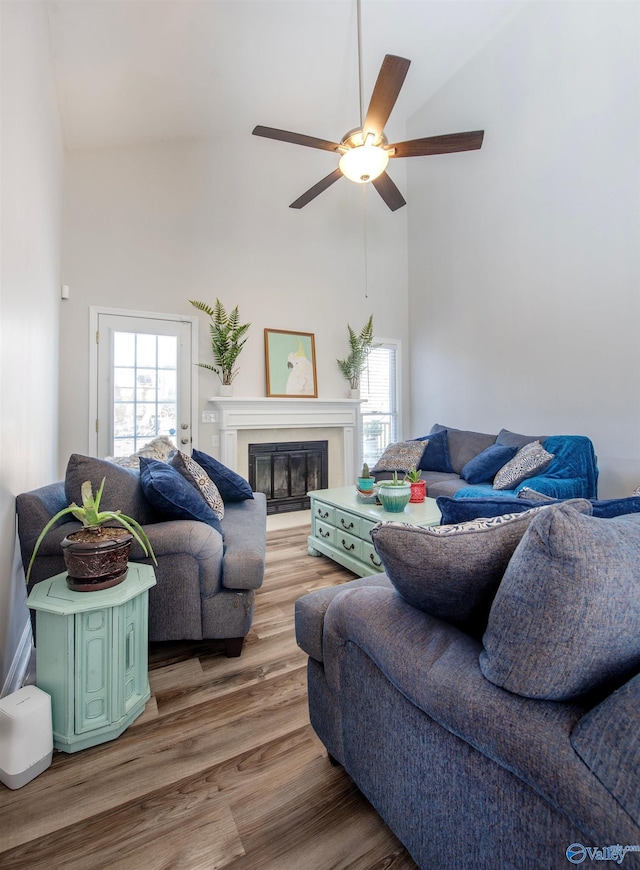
365,151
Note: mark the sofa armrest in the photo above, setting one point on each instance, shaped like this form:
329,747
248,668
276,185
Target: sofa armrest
555,487
606,739
245,541
310,611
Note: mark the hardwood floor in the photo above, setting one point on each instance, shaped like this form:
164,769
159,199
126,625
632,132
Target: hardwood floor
222,770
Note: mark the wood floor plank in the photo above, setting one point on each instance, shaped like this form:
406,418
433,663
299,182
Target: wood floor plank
222,770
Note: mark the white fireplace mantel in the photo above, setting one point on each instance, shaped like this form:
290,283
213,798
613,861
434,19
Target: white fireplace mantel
236,413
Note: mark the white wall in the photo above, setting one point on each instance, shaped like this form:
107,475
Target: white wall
150,227
524,256
31,176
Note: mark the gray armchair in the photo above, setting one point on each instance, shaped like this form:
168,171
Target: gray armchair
205,586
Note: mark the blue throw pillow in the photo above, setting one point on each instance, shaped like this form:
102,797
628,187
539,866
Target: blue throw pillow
484,467
231,486
173,496
436,454
461,510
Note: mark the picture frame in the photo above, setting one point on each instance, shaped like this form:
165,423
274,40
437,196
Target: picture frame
290,359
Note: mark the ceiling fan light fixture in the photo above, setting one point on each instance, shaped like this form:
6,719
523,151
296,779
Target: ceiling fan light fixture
364,163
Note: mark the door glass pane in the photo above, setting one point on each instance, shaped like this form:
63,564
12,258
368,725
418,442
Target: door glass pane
145,378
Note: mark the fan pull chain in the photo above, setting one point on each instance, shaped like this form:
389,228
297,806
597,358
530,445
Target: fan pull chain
364,236
359,26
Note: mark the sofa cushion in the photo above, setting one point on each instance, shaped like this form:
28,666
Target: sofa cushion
565,619
173,496
606,739
484,467
513,439
198,477
529,460
122,489
463,444
232,486
400,456
451,572
436,454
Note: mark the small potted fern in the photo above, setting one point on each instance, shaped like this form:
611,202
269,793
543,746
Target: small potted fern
360,346
227,341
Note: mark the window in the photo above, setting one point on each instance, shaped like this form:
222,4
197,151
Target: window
379,390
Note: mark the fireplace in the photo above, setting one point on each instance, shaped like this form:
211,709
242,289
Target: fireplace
286,471
242,421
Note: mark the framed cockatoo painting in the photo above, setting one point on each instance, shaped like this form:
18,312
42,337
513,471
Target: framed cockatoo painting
291,364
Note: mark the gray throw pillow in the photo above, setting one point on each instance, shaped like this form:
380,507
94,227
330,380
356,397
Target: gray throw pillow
400,456
529,460
122,488
452,572
566,617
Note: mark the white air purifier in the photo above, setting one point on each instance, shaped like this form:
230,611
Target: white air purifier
26,736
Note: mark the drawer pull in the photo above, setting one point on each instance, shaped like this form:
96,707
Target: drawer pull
323,534
323,516
375,561
344,525
351,546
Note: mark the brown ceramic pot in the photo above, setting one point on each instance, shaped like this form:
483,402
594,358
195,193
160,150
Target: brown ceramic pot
96,559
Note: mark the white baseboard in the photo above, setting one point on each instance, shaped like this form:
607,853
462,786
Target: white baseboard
20,664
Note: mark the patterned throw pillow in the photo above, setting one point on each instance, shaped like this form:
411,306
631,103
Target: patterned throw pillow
198,477
531,459
453,572
400,456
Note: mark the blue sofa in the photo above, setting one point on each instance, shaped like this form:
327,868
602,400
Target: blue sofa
573,473
484,701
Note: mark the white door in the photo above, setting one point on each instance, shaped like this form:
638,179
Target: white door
144,385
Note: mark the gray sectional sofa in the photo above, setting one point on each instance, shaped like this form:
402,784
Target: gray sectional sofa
452,464
205,584
484,693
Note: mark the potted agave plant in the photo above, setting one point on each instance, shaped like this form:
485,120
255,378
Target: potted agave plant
96,555
394,494
418,486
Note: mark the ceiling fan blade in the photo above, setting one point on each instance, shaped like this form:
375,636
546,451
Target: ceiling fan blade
295,138
326,182
385,93
389,192
439,144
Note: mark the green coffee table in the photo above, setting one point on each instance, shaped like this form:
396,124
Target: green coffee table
341,526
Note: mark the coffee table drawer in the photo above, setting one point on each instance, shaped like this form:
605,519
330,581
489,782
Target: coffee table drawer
346,522
323,531
371,558
365,529
348,543
324,512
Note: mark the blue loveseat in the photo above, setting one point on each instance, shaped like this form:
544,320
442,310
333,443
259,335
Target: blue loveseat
462,464
484,693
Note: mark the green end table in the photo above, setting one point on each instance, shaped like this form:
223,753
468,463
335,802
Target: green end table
92,656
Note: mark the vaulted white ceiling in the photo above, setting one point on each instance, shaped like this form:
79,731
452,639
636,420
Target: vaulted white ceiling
136,71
